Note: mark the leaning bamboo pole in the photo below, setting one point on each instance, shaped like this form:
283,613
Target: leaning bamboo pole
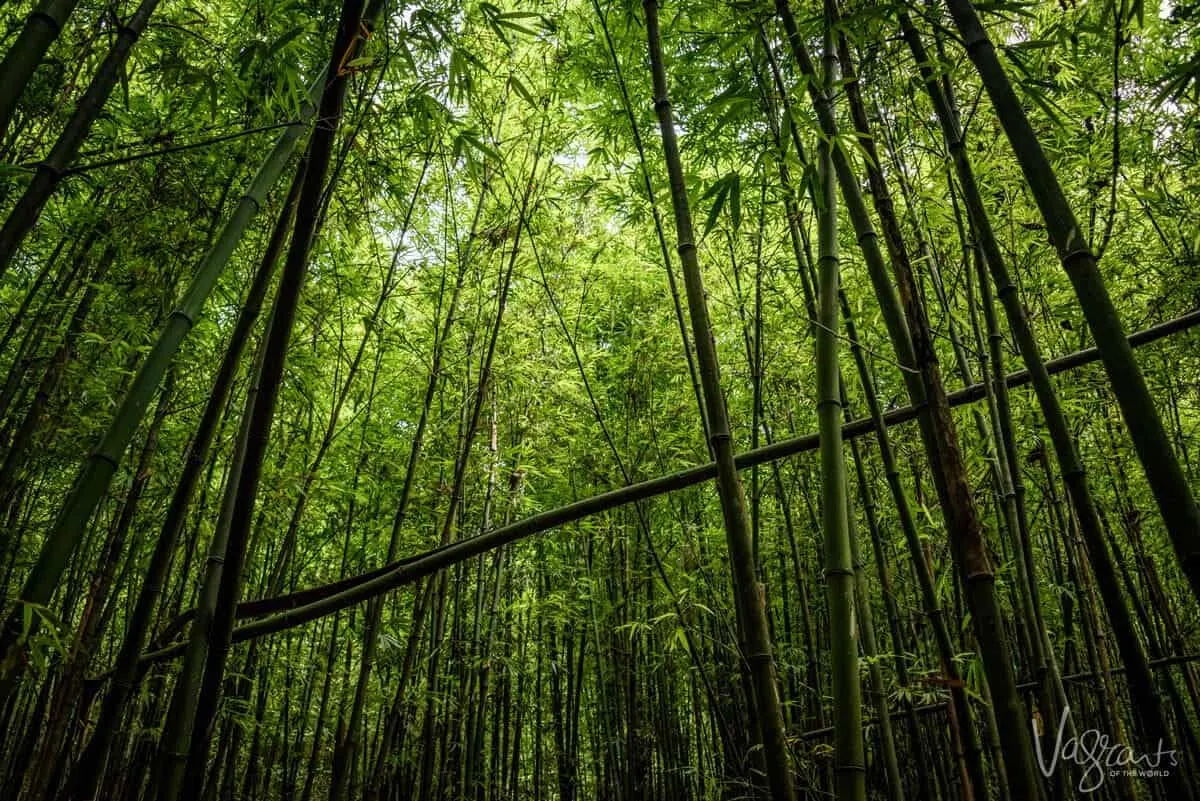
303,606
287,611
100,465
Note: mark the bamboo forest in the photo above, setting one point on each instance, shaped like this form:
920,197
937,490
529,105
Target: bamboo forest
572,400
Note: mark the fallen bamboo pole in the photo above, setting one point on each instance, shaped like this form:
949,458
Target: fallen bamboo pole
295,609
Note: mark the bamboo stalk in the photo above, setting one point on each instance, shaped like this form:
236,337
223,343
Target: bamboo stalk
755,639
849,755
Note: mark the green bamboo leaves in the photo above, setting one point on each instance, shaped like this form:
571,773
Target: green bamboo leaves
726,191
452,526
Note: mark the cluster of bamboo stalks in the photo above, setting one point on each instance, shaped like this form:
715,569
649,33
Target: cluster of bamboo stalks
466,737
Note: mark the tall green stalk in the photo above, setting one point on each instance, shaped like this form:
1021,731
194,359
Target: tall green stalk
216,641
912,341
1142,684
656,215
899,658
928,594
755,638
849,757
870,649
175,741
374,610
87,770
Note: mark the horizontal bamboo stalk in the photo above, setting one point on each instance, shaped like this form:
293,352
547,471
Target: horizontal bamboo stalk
300,607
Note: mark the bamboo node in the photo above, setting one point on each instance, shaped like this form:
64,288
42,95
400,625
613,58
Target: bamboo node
38,14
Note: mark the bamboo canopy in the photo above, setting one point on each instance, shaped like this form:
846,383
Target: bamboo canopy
511,401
